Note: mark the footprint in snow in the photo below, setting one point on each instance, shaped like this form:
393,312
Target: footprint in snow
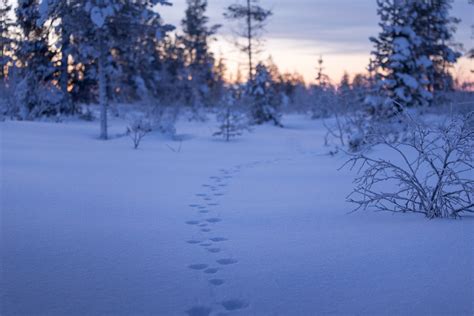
202,225
212,204
193,222
201,194
218,239
213,220
199,311
194,205
193,241
206,244
211,270
203,211
206,230
198,266
218,194
234,304
216,282
227,261
214,250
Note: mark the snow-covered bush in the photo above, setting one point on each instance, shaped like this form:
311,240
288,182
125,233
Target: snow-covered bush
431,173
359,130
137,129
164,119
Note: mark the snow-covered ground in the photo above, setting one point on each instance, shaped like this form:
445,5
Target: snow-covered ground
257,226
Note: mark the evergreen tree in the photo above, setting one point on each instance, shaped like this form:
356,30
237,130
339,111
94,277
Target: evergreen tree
199,59
122,30
402,74
253,18
435,27
265,100
7,40
413,52
35,93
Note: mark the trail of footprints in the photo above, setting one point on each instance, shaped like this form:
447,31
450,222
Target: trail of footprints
203,221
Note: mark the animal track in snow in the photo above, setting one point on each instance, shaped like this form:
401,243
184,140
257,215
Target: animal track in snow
214,250
198,266
199,311
227,261
206,230
213,220
203,211
218,239
206,244
211,270
234,304
212,204
216,282
193,241
193,222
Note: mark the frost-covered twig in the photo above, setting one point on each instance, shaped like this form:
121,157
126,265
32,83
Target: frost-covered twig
431,173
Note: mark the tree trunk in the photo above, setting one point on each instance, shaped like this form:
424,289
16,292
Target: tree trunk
103,89
249,38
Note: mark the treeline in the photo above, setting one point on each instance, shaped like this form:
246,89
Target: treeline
57,54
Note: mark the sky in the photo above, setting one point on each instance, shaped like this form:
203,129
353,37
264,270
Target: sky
301,30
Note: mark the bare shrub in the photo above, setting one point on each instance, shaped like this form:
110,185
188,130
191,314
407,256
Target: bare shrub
429,173
138,129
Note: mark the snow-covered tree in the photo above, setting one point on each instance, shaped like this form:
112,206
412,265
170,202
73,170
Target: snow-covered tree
435,27
199,59
413,52
265,101
36,93
119,28
7,40
232,121
252,18
401,66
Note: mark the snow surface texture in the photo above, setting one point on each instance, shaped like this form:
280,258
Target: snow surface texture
257,226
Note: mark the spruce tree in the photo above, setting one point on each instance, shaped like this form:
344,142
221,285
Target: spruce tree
36,94
199,59
122,30
253,18
435,27
402,75
7,40
265,100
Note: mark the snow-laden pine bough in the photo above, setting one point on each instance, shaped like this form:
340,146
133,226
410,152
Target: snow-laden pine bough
432,172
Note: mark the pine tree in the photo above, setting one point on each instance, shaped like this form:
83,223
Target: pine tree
401,67
199,59
435,27
322,79
35,93
265,100
254,18
7,40
119,27
64,21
